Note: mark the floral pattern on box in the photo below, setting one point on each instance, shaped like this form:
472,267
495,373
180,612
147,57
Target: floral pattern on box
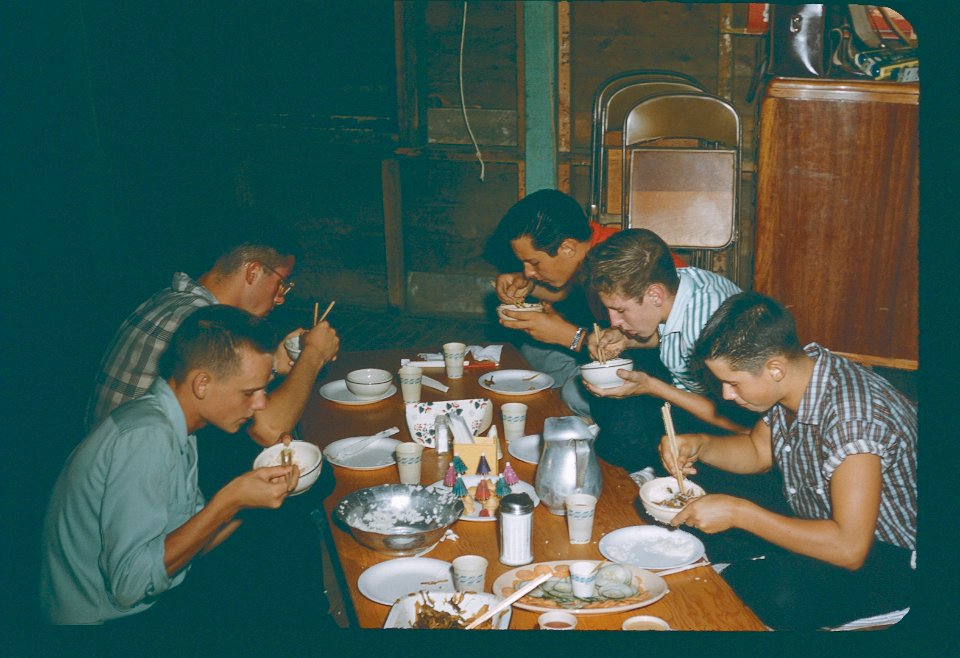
421,416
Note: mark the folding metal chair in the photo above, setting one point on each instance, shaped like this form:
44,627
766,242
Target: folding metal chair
612,100
686,191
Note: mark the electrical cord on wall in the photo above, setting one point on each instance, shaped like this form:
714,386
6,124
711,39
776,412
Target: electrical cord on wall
463,103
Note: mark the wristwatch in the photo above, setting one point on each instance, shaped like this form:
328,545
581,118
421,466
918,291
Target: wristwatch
577,339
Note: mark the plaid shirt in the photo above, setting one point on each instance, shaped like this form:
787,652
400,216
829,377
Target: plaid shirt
700,294
849,410
130,364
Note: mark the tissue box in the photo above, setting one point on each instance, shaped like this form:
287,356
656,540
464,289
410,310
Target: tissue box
470,452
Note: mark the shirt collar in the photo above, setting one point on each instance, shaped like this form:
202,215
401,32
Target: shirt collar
183,283
809,411
166,398
680,301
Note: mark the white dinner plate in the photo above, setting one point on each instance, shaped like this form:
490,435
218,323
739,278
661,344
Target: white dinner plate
526,448
403,614
516,382
653,589
473,480
378,454
388,581
337,391
651,547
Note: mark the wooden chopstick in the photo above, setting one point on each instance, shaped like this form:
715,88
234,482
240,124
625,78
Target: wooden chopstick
672,435
325,313
507,602
600,356
316,311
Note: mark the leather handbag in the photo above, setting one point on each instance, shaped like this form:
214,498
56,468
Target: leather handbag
796,42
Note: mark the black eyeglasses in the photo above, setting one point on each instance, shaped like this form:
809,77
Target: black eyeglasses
286,285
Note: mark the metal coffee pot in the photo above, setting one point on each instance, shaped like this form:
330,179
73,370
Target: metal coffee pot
568,462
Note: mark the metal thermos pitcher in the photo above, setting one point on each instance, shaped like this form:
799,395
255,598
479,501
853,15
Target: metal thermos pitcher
568,462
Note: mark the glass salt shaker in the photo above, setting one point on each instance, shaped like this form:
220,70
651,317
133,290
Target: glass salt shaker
441,427
516,526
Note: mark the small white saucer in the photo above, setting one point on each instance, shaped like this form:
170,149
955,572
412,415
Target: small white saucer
337,391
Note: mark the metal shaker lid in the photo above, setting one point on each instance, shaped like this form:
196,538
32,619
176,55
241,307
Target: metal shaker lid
516,503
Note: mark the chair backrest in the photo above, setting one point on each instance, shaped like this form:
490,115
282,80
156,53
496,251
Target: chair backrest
688,196
613,98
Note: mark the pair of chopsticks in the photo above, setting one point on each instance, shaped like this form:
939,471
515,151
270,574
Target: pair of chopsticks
316,308
601,357
672,435
507,602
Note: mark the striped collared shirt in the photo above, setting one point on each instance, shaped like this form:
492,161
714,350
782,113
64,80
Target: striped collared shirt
700,294
130,363
849,410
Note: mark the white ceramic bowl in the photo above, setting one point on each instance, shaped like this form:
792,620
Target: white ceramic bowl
369,382
645,623
403,613
292,345
655,491
305,455
520,308
605,375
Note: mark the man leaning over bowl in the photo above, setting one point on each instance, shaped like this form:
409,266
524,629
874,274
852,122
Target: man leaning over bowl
126,516
845,441
251,273
550,235
653,307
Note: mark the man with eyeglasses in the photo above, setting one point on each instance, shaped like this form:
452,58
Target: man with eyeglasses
252,276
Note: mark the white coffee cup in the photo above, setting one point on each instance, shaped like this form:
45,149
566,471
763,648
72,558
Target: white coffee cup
580,512
453,355
470,573
409,458
411,379
583,577
514,420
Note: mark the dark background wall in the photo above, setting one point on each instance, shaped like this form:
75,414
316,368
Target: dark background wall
131,128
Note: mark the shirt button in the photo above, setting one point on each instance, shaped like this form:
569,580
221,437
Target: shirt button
820,491
786,448
792,490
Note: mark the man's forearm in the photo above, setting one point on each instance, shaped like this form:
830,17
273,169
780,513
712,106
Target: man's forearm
288,401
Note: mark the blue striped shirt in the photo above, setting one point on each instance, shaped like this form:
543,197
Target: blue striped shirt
700,294
849,410
130,363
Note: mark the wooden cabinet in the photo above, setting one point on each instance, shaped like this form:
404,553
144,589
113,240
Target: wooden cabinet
837,214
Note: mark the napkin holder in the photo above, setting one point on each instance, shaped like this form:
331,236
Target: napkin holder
470,452
421,417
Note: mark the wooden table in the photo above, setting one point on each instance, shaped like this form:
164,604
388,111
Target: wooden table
699,599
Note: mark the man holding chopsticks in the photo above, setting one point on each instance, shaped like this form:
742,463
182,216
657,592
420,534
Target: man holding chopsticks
845,441
252,272
550,235
253,275
126,518
653,307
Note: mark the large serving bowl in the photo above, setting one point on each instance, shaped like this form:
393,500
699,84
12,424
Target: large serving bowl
657,490
369,382
517,308
398,519
305,455
403,614
604,375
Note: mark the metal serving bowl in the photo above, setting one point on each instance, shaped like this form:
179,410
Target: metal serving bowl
398,519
